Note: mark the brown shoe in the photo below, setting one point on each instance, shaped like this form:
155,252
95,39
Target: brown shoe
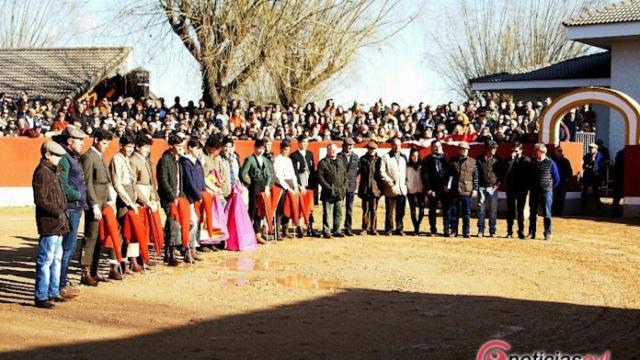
114,274
151,263
86,278
99,278
68,293
260,239
135,267
196,255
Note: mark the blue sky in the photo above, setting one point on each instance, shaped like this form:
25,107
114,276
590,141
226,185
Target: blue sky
402,69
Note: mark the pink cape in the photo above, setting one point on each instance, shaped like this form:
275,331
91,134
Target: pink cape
219,220
241,234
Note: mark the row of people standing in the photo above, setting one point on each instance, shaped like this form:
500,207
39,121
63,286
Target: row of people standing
439,182
121,202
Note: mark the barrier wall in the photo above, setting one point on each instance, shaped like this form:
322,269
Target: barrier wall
21,155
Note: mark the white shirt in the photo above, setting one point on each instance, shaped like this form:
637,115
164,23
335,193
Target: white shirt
285,174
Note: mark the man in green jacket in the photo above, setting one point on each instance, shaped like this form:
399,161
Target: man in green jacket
256,175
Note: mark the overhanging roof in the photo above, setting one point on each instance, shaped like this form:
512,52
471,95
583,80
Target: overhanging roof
620,12
56,73
587,70
602,26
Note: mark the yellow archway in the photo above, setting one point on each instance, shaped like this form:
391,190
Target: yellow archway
549,121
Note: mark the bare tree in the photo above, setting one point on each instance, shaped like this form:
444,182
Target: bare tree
34,23
325,42
299,44
484,37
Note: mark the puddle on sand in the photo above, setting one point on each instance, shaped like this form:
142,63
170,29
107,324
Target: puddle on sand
234,282
306,282
247,264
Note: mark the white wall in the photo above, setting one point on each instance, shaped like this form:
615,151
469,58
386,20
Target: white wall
625,71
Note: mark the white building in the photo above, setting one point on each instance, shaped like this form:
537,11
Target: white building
615,29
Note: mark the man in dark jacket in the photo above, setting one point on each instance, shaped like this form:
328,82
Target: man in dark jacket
169,173
304,167
566,173
435,175
193,186
544,177
52,222
489,175
464,186
75,191
351,164
369,187
332,175
517,180
97,180
593,168
255,175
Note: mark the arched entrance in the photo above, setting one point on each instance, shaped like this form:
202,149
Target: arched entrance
629,109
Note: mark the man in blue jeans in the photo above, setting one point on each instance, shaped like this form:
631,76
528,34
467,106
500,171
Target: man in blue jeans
351,161
52,222
75,191
463,185
489,173
544,178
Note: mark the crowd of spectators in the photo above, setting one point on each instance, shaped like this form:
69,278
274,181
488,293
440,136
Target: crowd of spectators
471,121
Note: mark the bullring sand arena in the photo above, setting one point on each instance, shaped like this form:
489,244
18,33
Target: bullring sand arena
359,297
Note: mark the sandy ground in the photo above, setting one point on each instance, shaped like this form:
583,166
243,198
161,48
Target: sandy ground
359,297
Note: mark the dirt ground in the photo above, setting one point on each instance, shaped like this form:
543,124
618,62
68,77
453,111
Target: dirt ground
359,297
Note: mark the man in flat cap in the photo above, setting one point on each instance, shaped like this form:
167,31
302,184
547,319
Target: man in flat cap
75,191
463,185
369,189
351,161
489,175
52,222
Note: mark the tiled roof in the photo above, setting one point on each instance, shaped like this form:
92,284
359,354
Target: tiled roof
54,73
624,11
583,67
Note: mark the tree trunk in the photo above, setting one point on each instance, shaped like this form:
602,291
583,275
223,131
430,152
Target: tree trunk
210,93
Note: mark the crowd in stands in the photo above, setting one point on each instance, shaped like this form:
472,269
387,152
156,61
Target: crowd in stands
471,121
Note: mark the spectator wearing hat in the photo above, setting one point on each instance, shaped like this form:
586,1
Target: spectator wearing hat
463,186
369,187
75,191
435,172
593,167
52,223
544,177
256,175
566,173
489,175
304,167
393,175
351,161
